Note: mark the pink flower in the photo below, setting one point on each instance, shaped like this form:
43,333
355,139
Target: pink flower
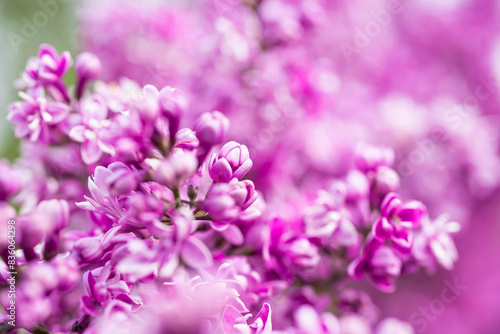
380,263
435,244
33,116
94,130
398,220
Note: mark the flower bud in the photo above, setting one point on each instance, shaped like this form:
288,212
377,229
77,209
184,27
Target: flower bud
386,180
173,104
211,128
301,253
357,185
87,67
220,204
123,179
233,161
67,271
186,140
243,193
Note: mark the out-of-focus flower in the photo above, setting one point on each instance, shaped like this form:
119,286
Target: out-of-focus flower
326,221
175,169
173,104
434,244
370,157
211,128
10,180
49,67
378,262
43,224
308,321
393,326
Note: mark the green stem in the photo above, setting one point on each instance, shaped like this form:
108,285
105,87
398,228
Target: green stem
204,218
177,196
40,330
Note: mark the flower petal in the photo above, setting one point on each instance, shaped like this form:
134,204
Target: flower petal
195,253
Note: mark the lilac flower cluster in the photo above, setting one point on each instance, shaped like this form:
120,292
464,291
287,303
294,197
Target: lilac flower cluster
304,82
130,223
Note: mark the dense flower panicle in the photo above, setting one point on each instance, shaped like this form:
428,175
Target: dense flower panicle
160,233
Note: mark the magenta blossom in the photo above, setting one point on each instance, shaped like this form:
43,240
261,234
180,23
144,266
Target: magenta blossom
49,67
398,220
434,245
48,70
380,263
94,130
33,116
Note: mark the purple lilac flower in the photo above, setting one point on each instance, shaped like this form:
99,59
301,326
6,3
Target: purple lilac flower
325,220
434,243
380,263
35,114
48,70
101,188
398,220
43,224
93,132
